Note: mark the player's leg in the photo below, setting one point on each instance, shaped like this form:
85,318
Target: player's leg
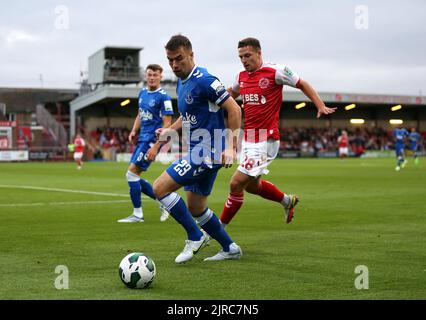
206,218
133,180
415,154
266,189
164,189
269,191
146,188
77,159
399,158
235,199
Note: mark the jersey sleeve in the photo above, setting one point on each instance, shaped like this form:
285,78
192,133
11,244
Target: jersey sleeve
214,90
236,85
166,106
285,76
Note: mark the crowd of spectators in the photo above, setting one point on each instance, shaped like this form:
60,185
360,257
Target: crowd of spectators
109,141
318,140
305,140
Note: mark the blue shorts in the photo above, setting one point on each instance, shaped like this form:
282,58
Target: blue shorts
197,178
139,155
414,147
399,151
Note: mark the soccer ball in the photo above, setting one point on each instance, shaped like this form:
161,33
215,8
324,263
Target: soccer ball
137,270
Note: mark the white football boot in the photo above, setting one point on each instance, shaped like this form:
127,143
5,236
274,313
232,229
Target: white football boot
234,253
191,248
131,218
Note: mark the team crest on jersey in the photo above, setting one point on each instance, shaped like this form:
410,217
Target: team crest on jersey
151,103
189,99
263,83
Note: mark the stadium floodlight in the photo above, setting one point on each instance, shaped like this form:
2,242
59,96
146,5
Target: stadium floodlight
125,102
357,121
396,121
300,105
398,107
350,106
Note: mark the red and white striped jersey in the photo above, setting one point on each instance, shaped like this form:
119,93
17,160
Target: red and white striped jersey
343,141
79,144
261,92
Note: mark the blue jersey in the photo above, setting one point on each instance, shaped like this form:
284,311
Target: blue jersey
153,105
200,96
400,135
414,139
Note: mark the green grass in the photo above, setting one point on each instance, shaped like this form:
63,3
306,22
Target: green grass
352,212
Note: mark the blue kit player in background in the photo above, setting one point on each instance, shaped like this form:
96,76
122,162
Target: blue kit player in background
414,139
155,111
202,100
400,134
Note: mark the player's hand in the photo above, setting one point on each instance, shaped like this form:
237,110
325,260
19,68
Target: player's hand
228,156
152,153
161,134
132,137
325,110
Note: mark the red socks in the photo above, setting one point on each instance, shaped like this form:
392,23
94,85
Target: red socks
269,191
231,207
234,202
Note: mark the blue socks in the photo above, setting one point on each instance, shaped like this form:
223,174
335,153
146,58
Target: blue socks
177,208
135,189
209,222
137,186
146,188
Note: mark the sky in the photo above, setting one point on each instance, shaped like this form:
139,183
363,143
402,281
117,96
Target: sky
374,46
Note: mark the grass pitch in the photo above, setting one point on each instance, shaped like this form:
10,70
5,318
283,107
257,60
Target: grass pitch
352,212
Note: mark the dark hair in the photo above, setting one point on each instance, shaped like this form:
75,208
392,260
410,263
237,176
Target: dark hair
178,41
249,42
155,67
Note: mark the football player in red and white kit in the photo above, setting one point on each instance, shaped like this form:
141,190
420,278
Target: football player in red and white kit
343,144
79,145
260,86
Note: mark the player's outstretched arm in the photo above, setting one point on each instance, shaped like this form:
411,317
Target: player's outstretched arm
310,92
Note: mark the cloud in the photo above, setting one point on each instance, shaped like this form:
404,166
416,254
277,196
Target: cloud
11,38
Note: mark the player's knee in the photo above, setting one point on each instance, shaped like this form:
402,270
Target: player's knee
158,190
236,186
195,209
132,177
252,188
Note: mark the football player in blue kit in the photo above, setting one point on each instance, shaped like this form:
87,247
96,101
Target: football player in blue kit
202,100
414,139
400,134
155,111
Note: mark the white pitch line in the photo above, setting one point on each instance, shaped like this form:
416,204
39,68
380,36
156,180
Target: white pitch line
35,204
65,190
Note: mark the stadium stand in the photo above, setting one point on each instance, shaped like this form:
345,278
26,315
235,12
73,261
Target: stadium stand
43,121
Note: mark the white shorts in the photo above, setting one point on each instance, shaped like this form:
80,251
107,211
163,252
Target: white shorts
78,155
343,151
256,156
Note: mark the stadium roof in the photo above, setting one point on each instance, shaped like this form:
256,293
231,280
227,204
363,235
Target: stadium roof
119,49
105,93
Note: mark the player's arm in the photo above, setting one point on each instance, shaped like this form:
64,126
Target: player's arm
310,92
135,129
162,132
153,151
234,124
234,94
